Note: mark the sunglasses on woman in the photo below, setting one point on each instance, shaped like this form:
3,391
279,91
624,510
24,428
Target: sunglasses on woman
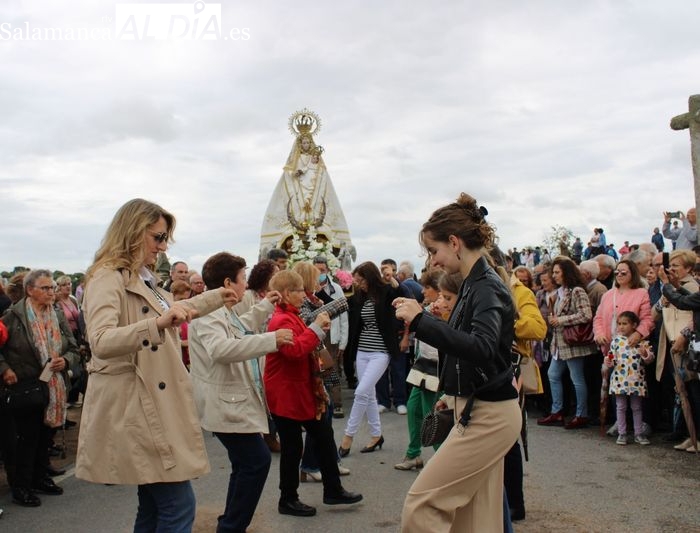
159,237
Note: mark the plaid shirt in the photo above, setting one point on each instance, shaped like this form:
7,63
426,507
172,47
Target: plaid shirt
572,307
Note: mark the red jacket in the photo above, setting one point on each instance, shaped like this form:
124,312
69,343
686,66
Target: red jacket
288,378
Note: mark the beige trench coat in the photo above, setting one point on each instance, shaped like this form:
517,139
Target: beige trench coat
674,320
139,423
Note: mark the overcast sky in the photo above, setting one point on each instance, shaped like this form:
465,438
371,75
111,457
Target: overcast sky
548,112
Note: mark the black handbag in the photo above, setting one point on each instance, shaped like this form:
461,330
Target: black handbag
27,394
436,426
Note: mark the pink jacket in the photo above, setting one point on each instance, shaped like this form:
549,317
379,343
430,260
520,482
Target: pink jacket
615,302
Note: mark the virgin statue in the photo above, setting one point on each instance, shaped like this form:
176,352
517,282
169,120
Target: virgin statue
304,201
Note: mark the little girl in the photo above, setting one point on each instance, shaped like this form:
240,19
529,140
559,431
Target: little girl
627,377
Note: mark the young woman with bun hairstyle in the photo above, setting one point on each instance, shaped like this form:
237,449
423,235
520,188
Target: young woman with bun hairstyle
461,487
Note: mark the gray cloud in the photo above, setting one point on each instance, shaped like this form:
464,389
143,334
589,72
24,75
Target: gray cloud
548,113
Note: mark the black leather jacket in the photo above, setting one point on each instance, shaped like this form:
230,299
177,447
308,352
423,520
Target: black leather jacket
476,344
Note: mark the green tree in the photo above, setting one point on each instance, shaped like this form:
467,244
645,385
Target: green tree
558,241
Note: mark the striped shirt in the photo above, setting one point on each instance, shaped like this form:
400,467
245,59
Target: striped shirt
370,337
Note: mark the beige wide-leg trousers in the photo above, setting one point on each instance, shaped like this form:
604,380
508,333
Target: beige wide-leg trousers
460,490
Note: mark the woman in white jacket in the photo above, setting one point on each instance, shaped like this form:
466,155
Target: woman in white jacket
225,356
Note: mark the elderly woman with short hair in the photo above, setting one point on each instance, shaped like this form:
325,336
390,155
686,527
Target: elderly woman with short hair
66,303
675,322
226,357
297,398
39,338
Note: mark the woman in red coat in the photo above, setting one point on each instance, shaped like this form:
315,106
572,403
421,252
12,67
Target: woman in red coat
296,398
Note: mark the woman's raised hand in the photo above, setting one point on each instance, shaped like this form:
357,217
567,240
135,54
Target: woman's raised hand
273,297
176,315
323,320
406,309
230,296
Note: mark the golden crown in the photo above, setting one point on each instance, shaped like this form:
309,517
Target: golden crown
304,122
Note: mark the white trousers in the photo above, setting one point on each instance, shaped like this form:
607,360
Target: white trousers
370,367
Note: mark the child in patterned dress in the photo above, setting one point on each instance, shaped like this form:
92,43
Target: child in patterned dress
627,379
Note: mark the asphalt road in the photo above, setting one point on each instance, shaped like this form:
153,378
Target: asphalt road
575,481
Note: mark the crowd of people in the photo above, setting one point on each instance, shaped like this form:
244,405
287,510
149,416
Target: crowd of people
255,360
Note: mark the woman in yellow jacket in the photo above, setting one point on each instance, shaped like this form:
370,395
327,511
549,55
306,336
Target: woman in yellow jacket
529,326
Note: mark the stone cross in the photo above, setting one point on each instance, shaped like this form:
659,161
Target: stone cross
691,121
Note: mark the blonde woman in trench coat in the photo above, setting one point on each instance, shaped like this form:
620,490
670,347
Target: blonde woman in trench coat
139,425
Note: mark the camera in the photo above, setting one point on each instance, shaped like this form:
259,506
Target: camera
674,214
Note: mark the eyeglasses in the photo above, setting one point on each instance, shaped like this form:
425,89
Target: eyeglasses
46,288
621,273
159,237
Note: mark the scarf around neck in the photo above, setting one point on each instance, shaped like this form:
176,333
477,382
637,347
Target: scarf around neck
43,324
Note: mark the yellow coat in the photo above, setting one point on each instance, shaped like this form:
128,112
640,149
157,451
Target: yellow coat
139,424
529,324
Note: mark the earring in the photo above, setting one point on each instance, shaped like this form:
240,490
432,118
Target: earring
458,257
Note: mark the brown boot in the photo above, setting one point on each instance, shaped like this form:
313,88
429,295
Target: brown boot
272,443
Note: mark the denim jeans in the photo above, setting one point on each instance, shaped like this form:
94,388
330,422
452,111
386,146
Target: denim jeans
250,463
557,368
507,523
392,384
165,508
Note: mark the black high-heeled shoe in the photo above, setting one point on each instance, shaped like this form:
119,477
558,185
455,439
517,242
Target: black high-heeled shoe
343,452
378,444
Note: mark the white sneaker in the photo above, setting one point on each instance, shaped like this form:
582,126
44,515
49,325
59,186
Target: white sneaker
621,440
401,409
612,432
641,439
382,409
343,471
646,430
